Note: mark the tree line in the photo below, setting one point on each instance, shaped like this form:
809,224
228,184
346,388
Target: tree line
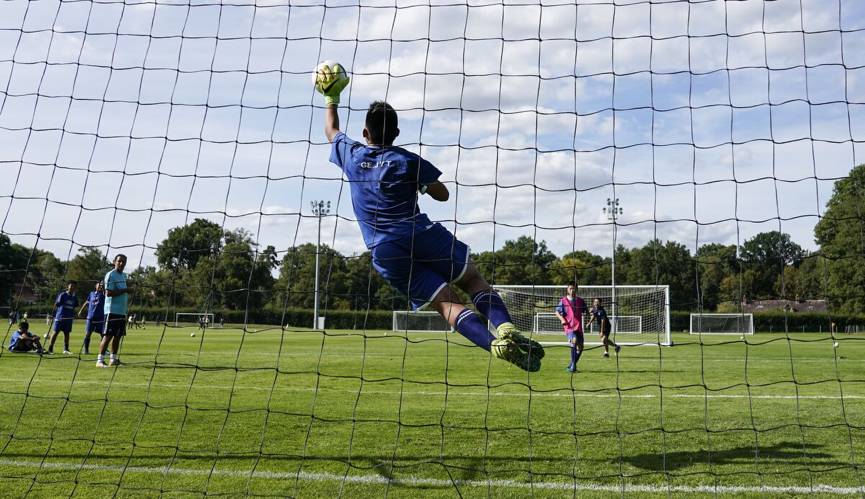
201,266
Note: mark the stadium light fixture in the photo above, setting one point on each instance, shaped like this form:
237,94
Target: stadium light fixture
613,210
319,209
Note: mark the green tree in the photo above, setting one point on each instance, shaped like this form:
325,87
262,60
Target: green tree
186,245
522,261
243,276
87,267
660,263
715,262
153,287
841,236
804,282
767,254
584,267
295,286
13,268
49,275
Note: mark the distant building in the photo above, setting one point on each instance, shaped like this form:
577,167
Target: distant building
788,305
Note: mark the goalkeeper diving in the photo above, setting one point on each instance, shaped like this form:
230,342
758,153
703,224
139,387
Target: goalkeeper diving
419,258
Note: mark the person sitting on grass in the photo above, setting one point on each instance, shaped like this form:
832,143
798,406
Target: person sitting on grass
420,258
23,341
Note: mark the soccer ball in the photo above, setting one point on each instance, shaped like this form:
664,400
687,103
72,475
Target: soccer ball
323,75
191,334
835,345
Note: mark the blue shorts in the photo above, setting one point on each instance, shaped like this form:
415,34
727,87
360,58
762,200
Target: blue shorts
420,267
575,337
63,325
94,326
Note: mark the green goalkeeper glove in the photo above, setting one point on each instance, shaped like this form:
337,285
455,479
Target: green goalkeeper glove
330,80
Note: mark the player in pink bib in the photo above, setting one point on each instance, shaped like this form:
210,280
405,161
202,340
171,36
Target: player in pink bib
570,311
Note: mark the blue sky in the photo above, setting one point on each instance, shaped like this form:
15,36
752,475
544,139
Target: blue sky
710,121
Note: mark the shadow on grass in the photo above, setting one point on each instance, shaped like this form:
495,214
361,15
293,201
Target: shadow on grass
781,453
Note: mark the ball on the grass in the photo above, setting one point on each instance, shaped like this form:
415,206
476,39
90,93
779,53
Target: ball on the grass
741,337
191,334
835,345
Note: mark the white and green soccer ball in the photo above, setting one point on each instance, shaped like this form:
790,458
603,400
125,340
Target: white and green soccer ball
326,73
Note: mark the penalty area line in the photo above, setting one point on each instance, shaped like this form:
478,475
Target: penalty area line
434,482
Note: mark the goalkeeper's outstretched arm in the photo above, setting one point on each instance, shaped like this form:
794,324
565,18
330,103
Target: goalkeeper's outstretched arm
331,122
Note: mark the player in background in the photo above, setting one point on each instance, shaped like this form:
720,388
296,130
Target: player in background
599,313
95,305
419,258
116,308
23,341
570,312
64,313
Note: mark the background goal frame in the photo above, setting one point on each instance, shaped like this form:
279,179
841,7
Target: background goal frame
746,319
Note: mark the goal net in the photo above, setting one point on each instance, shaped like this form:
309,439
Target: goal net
419,321
642,314
707,154
185,319
548,323
733,324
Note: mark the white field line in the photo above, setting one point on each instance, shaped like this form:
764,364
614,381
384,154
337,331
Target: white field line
433,482
456,392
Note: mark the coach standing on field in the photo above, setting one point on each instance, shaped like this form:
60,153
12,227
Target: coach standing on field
116,306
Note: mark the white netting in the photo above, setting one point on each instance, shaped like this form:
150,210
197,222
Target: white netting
640,313
722,324
419,321
548,323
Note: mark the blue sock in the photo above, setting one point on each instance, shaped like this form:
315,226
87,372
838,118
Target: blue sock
575,356
472,327
490,304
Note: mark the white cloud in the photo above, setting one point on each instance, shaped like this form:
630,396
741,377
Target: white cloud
508,141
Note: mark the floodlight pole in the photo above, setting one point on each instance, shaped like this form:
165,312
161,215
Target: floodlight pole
319,209
613,210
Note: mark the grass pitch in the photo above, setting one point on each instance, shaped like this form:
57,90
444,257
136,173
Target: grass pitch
348,413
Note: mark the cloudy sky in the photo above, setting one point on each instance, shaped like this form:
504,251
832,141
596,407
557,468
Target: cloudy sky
710,121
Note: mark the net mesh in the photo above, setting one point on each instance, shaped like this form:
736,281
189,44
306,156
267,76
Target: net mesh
186,135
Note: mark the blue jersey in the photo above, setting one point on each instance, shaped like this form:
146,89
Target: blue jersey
600,314
96,305
65,305
384,188
13,342
116,281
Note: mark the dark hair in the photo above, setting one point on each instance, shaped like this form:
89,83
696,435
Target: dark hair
382,124
119,255
573,283
24,325
72,282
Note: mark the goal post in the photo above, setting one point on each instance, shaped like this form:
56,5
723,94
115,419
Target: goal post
643,312
192,319
715,323
420,321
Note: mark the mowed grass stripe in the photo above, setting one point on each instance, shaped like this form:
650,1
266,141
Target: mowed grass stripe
787,415
427,482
